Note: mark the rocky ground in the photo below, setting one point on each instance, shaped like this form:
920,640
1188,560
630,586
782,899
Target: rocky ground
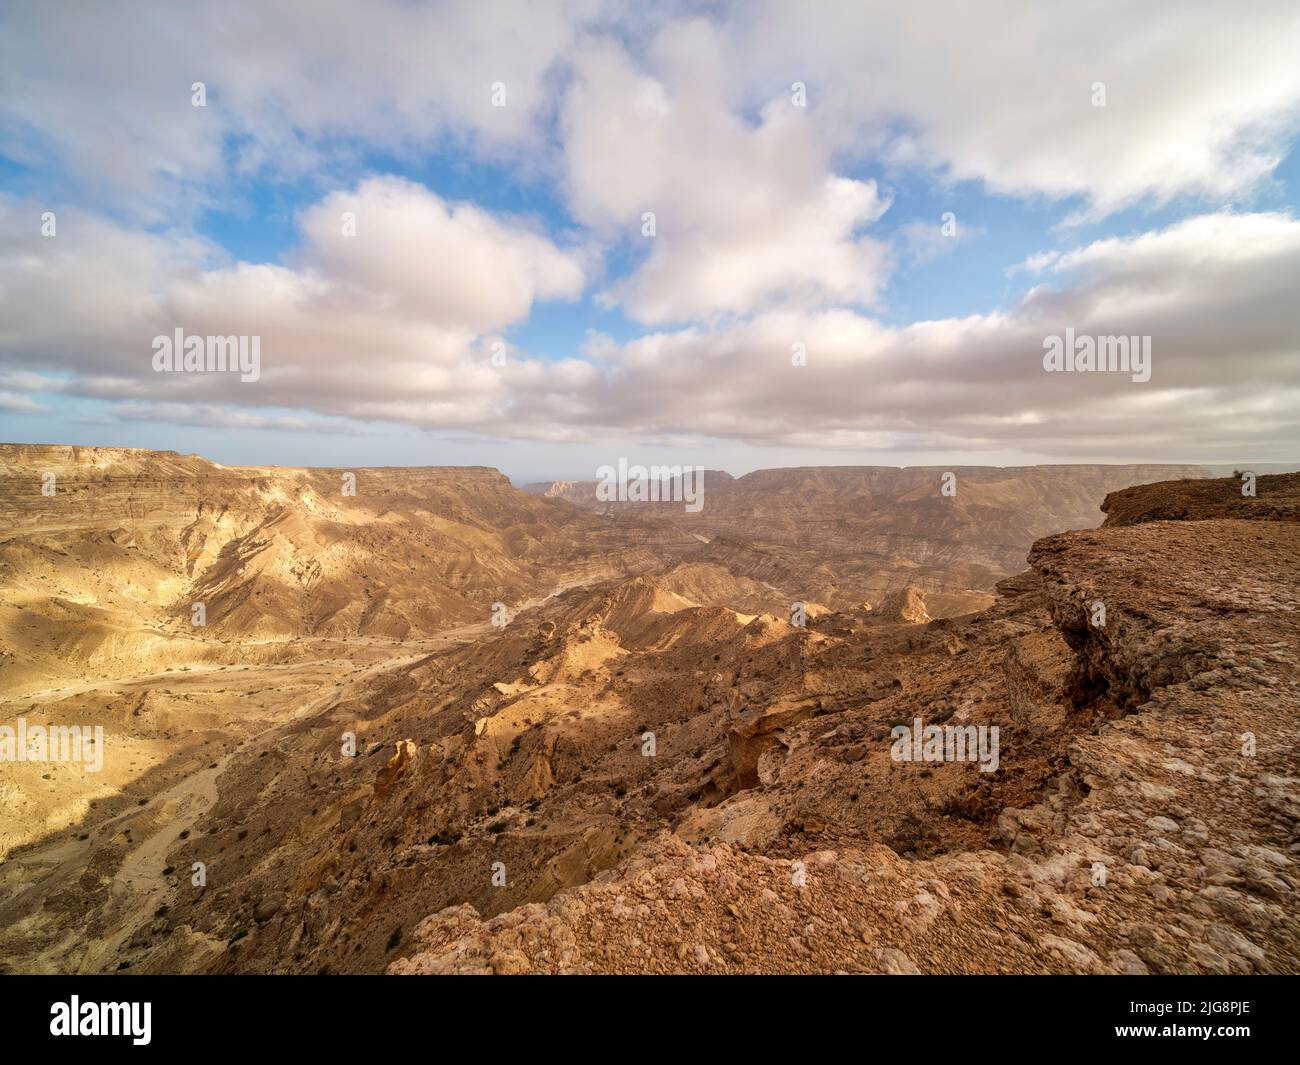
650,773
300,584
1167,843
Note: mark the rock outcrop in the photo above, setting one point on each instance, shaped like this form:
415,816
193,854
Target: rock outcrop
906,606
1269,497
1097,773
1167,841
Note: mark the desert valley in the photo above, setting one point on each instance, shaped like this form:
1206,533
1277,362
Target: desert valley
420,720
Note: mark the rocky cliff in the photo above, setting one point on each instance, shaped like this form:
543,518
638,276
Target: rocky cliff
643,773
1162,838
103,573
849,533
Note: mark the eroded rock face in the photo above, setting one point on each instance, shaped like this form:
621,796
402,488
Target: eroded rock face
101,577
849,534
906,605
1271,497
1167,842
624,778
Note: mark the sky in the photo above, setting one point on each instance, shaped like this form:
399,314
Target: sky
543,237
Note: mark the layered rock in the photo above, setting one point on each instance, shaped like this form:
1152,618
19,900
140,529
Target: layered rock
1167,842
128,541
1268,497
843,534
637,775
907,606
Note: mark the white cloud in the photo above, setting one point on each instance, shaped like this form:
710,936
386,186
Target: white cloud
747,214
400,309
1212,292
290,87
1200,100
764,215
1034,263
1215,292
451,263
920,242
18,403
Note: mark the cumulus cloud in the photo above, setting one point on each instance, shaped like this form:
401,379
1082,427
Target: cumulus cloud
746,213
450,263
401,308
1211,292
1201,102
290,88
1214,292
766,216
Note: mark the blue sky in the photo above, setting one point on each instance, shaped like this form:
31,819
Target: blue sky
1170,212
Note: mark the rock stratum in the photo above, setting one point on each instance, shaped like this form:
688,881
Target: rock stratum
1164,838
851,534
647,767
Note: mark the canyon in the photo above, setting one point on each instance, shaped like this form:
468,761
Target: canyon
657,763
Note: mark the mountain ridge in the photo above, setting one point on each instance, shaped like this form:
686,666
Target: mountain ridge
649,740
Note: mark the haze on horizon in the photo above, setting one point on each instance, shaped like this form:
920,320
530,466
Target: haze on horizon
445,245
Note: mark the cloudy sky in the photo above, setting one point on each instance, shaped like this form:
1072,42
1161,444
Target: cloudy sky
435,215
